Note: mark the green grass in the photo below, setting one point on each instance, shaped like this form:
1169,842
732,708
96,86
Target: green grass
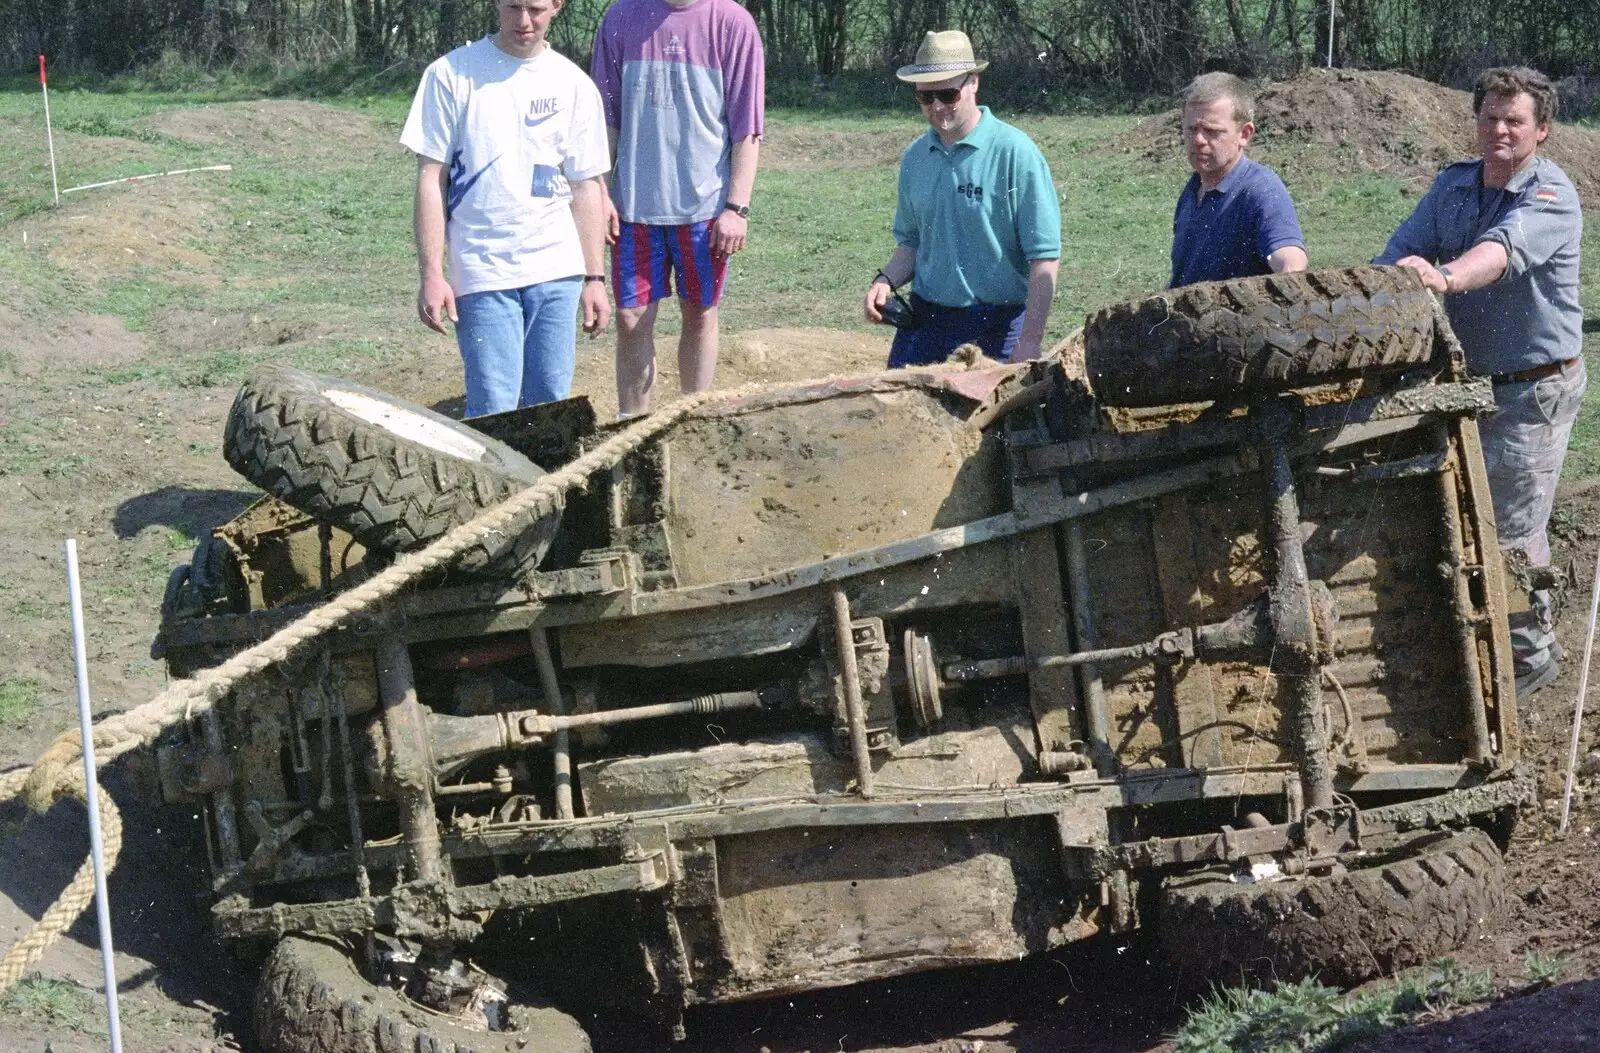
1544,970
19,700
56,1003
1309,1017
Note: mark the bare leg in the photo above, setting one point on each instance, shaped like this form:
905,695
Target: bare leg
697,347
636,357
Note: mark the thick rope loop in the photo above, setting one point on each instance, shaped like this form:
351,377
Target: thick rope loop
77,896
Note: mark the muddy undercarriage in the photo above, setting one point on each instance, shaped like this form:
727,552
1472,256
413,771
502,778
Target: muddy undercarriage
837,682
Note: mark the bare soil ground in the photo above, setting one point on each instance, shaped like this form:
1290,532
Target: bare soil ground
133,468
1364,121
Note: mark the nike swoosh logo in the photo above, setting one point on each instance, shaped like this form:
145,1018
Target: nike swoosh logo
532,121
459,190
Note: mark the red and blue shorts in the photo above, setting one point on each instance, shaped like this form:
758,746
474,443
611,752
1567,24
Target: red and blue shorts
645,256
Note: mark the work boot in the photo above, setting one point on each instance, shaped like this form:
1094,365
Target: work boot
1542,674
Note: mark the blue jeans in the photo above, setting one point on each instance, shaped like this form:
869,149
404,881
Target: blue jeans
519,345
1523,447
993,327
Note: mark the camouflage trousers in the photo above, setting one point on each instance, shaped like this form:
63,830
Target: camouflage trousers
1523,446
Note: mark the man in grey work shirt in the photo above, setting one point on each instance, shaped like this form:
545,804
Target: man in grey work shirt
1499,237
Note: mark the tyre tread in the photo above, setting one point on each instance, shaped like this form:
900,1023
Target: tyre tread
391,494
1345,928
1258,335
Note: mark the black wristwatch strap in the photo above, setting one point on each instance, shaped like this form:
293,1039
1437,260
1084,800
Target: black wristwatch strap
743,211
594,277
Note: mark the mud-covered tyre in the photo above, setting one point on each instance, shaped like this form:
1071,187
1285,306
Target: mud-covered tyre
392,474
1424,898
1277,332
313,999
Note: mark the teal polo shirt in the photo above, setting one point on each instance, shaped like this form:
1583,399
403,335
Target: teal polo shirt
977,213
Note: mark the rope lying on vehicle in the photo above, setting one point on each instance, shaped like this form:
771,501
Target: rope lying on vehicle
54,774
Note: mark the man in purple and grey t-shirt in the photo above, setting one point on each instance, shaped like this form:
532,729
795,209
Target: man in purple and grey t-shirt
683,85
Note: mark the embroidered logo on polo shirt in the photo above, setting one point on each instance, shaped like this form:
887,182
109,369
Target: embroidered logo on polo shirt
970,190
1546,194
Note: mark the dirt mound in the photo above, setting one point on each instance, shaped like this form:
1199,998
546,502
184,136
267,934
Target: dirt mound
33,345
138,230
1347,121
308,132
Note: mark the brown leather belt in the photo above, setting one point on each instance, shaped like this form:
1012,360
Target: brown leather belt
1523,376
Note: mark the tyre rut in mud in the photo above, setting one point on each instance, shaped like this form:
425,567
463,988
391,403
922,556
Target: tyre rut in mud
1424,898
392,474
312,999
1258,335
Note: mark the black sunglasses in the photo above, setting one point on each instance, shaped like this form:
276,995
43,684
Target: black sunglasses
948,96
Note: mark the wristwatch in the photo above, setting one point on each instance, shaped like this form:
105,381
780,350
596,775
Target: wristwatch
594,278
1449,279
742,211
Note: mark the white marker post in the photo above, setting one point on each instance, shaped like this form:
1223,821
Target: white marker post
1577,705
97,852
1333,5
49,136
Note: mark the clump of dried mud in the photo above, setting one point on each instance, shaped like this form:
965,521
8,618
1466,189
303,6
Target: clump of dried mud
1348,121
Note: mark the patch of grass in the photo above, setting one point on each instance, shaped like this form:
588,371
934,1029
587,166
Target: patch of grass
1310,1017
137,300
1544,970
18,457
340,355
55,1002
152,569
139,373
19,700
66,467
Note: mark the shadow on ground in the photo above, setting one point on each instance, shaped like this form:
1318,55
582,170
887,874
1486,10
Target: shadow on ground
192,511
1102,996
1562,1019
156,889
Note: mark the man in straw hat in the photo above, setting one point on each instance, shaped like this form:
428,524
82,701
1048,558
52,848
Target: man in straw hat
977,226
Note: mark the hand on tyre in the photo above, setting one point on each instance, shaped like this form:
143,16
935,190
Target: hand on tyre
1430,274
596,307
435,301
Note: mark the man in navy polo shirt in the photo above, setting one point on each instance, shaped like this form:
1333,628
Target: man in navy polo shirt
977,225
1234,218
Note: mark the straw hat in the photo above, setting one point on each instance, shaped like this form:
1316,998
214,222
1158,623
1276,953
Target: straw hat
941,56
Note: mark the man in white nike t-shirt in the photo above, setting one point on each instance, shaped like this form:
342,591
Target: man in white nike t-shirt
510,139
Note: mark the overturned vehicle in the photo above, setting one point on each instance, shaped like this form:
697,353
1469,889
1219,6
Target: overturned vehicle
1203,630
